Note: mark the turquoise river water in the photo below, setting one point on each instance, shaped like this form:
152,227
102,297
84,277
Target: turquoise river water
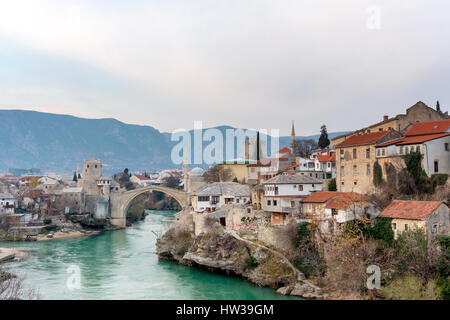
122,265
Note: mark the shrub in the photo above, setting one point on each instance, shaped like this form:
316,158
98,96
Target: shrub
47,221
439,179
332,185
411,288
382,230
377,174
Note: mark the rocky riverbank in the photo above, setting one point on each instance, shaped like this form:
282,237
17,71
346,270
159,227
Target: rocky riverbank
225,252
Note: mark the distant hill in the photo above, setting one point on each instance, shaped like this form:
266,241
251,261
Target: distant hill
54,142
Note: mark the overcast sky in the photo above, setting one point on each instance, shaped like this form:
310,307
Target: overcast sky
253,64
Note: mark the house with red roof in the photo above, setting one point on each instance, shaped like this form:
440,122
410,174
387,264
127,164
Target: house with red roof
329,209
431,139
355,158
430,216
140,180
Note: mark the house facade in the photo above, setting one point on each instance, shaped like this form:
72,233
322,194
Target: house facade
283,195
431,139
8,203
329,210
355,158
430,216
212,196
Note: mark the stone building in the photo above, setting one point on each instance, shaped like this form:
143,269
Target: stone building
431,139
329,210
355,158
419,112
87,178
430,216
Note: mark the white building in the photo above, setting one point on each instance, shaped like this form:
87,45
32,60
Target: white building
431,139
283,194
141,180
212,196
8,203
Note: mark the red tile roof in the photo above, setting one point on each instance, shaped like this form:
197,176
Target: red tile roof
260,164
337,200
141,177
362,139
413,210
431,127
326,158
283,150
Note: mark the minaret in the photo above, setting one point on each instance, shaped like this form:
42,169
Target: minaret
293,139
185,169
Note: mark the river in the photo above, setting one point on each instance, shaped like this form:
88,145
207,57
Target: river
123,265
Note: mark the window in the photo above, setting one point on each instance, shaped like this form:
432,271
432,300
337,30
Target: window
368,153
394,226
354,154
342,171
355,183
383,152
252,169
237,200
300,187
417,148
295,186
355,170
434,228
368,169
401,150
203,198
342,154
378,152
269,202
342,183
446,146
292,204
274,202
436,166
406,227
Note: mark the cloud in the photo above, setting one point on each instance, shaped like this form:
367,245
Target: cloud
245,63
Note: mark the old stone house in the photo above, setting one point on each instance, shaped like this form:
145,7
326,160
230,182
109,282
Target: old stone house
212,196
329,210
419,112
355,158
283,195
430,216
431,139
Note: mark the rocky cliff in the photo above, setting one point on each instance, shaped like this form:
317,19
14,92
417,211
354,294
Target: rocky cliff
225,252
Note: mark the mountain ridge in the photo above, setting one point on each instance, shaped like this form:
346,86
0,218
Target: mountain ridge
61,142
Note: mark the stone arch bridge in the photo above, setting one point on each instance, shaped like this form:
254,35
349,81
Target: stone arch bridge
119,202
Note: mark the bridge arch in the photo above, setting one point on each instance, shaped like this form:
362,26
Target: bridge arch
121,201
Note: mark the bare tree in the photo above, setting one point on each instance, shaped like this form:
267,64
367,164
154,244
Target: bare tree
304,148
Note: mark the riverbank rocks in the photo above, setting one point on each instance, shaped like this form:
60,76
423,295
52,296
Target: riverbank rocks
306,290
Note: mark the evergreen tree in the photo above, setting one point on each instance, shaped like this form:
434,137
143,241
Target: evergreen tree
257,147
75,177
438,106
323,140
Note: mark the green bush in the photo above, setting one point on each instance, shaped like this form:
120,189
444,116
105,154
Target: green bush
332,185
47,221
382,230
439,179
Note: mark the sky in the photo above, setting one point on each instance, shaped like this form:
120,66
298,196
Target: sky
245,63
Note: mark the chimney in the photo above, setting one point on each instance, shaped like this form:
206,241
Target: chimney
385,118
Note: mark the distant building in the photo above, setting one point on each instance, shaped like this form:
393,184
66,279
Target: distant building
141,180
430,216
87,178
329,210
8,203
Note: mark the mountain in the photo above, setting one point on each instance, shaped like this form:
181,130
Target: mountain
53,142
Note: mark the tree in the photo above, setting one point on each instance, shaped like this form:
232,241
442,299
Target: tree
438,106
323,139
235,179
332,185
216,174
34,182
377,174
172,181
304,148
75,177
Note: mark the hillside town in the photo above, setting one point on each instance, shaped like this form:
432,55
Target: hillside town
396,169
